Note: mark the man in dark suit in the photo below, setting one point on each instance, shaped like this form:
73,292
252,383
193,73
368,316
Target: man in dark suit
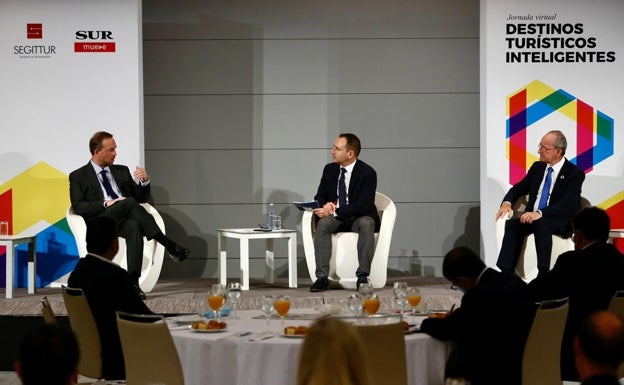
554,188
346,195
491,325
590,275
101,188
108,289
599,348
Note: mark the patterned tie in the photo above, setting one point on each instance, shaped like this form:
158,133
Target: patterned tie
342,188
546,190
107,185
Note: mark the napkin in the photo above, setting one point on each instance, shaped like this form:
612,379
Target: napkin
224,312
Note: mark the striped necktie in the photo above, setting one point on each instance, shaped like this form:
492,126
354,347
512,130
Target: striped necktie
107,185
342,188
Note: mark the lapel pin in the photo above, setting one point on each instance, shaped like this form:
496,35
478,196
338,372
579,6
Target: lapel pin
562,176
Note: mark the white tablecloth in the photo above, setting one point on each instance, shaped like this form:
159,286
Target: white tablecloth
224,358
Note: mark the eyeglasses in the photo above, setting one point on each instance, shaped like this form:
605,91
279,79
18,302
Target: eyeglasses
540,147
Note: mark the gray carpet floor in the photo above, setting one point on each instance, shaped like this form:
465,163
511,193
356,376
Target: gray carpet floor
185,296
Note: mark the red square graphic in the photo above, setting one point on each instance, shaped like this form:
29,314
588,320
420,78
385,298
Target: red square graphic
34,31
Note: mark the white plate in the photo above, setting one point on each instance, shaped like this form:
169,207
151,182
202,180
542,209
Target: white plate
293,335
209,330
187,319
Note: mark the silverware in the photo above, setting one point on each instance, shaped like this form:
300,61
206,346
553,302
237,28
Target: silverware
263,336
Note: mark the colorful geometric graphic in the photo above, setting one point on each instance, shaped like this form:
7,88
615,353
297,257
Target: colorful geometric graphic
36,201
594,129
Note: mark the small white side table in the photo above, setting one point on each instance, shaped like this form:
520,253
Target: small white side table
12,241
616,233
244,235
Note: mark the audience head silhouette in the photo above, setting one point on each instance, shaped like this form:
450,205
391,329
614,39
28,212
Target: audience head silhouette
102,237
599,344
462,267
591,224
333,353
48,355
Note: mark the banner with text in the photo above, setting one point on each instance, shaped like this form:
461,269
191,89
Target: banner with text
554,65
69,69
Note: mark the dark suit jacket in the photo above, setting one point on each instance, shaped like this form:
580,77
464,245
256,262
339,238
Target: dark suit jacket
86,194
490,329
362,188
108,289
589,277
565,198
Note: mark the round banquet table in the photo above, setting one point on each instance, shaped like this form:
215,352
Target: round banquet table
228,358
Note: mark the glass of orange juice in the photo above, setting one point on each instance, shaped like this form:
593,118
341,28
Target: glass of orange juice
413,298
371,304
216,298
282,306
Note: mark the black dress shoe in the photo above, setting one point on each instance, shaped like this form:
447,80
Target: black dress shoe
361,279
321,284
179,253
139,292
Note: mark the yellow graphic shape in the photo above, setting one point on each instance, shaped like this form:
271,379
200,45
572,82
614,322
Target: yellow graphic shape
39,193
617,198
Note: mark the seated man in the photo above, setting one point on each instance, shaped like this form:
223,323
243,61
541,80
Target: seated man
589,275
101,188
48,355
599,348
346,194
554,188
108,289
491,325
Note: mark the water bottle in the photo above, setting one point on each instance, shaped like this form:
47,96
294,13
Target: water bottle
270,213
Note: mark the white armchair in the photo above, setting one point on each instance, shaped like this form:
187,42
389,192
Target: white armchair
526,267
153,252
344,261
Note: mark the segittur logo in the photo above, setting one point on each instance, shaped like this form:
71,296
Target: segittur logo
34,51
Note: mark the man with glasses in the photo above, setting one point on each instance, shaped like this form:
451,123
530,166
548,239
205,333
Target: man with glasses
554,187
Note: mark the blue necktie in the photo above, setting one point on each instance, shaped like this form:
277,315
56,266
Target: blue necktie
342,188
107,185
546,190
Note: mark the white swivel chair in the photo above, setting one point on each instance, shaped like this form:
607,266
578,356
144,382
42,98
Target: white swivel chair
153,252
526,267
344,261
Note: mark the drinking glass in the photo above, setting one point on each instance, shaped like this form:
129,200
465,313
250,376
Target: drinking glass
414,298
400,295
277,222
4,228
234,293
365,289
371,304
268,305
216,298
355,304
282,306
